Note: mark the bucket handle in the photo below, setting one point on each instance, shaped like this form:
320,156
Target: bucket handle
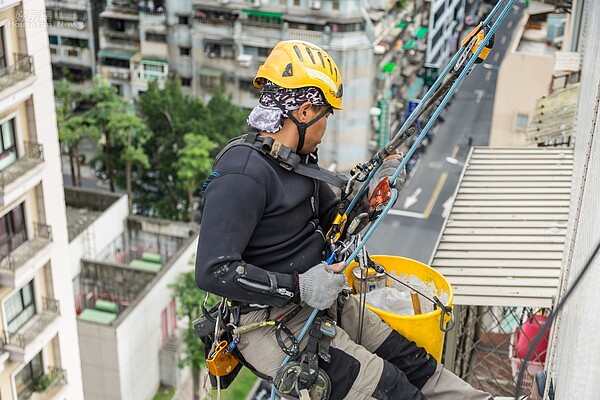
445,310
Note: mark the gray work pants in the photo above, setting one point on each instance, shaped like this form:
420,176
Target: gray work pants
356,371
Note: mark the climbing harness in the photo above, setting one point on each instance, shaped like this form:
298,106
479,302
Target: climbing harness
474,49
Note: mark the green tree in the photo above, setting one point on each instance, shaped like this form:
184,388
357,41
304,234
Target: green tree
171,114
189,299
103,105
194,163
73,125
129,132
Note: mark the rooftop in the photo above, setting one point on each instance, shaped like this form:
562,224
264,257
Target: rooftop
84,207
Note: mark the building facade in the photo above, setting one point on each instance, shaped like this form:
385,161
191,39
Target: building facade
39,353
445,23
73,38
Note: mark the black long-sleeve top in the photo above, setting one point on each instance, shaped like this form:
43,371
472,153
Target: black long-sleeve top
262,226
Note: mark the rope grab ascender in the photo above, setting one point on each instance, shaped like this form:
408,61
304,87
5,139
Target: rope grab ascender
474,49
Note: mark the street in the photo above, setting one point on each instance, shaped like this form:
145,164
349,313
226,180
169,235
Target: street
412,227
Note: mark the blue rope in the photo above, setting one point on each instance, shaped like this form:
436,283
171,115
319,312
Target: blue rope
413,148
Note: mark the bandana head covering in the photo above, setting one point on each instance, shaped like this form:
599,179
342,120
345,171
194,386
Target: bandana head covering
276,102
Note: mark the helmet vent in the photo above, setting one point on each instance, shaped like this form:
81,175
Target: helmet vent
297,50
336,74
330,67
321,58
310,54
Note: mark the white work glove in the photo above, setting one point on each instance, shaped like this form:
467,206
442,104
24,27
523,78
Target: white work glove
389,166
320,286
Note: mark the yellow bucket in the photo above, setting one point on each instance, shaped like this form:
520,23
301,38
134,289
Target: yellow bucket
424,329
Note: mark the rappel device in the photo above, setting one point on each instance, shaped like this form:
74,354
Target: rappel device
474,49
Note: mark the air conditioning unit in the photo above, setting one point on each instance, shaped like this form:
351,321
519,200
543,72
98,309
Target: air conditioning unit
223,1
245,60
256,3
315,4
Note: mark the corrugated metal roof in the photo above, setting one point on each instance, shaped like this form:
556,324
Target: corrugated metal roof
502,243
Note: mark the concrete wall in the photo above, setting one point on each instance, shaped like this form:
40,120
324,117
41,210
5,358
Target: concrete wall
574,361
139,334
99,361
522,79
98,235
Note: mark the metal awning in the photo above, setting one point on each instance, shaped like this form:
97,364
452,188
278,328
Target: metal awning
421,32
402,24
118,54
502,243
409,45
119,15
389,67
266,14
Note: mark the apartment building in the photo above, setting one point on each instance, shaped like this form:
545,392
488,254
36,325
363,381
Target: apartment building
39,351
445,23
126,311
72,27
525,75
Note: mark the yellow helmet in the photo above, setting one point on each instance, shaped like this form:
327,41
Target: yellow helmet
294,64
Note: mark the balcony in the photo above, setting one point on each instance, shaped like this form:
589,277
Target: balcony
21,264
79,5
34,334
21,69
22,175
48,386
8,3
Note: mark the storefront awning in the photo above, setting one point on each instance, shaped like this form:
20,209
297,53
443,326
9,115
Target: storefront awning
402,24
118,54
266,14
389,67
421,32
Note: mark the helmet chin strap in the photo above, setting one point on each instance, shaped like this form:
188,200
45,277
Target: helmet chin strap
303,126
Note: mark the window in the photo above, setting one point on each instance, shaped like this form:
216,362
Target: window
12,230
53,39
438,15
216,50
173,311
8,149
156,37
154,68
296,2
115,62
187,82
19,308
184,51
2,53
164,323
25,379
522,121
74,42
336,5
183,20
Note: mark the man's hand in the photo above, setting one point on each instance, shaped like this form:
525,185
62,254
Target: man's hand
388,167
320,285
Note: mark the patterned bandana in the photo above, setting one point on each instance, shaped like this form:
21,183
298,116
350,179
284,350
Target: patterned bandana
268,115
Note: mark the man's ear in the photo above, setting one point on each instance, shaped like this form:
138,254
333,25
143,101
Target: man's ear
302,112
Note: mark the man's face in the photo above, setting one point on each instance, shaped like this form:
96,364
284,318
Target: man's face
315,132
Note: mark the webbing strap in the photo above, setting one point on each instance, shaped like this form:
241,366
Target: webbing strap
284,156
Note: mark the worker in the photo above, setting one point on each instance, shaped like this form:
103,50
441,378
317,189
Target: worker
262,245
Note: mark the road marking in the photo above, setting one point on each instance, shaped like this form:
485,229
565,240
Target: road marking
402,213
503,39
412,199
434,196
447,206
478,95
488,75
509,25
454,152
496,56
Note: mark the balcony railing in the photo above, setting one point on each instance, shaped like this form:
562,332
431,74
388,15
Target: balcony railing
47,386
36,325
21,69
32,156
42,236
